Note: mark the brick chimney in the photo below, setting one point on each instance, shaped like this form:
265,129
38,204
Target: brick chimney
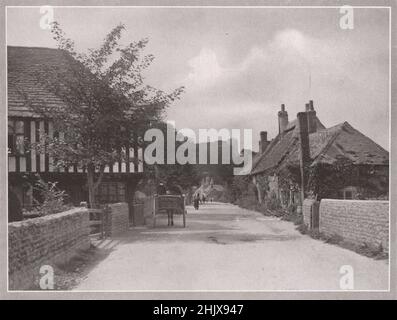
304,148
282,119
311,106
263,142
311,117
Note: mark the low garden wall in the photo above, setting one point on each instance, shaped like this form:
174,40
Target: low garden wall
357,221
48,240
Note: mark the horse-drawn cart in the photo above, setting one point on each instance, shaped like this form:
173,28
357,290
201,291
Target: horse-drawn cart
170,205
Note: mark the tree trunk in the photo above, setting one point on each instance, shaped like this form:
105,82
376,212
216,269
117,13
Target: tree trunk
92,185
90,180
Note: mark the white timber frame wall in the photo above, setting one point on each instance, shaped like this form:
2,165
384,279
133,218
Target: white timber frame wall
31,161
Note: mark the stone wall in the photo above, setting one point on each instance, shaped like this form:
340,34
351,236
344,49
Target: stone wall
356,221
47,240
118,218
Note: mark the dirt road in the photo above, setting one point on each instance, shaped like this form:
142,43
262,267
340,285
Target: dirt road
225,247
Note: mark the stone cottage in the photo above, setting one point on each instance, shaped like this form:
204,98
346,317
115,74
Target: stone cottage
306,159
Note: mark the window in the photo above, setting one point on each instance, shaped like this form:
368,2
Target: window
27,196
16,137
11,146
348,195
110,192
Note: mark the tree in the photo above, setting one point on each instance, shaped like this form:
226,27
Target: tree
185,175
107,106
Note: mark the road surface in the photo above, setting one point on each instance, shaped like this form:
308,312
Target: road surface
225,247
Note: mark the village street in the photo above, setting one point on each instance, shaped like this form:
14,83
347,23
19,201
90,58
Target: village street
225,247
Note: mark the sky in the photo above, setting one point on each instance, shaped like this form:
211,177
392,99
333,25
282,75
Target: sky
239,65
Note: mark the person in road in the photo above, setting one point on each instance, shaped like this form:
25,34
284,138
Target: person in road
172,189
161,189
196,201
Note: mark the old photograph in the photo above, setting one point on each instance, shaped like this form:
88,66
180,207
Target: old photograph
198,148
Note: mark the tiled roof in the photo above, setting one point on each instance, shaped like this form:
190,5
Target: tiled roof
326,146
24,66
28,67
354,145
276,151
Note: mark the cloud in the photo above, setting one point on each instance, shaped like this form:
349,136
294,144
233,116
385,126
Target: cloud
238,66
205,69
291,39
291,68
263,76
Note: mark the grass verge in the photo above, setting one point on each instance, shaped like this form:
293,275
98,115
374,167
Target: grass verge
364,249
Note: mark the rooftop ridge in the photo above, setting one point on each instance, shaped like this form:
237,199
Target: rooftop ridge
339,126
39,48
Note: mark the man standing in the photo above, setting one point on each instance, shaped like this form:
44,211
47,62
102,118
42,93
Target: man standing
196,201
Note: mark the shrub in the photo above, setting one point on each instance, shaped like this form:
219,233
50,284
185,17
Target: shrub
302,228
315,234
296,218
334,239
53,199
292,208
272,202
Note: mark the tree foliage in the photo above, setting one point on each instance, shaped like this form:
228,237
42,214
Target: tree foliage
106,104
53,199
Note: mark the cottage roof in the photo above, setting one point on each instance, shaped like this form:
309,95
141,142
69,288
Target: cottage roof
30,67
326,146
24,67
350,143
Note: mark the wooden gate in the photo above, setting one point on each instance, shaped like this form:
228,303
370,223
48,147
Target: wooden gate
99,222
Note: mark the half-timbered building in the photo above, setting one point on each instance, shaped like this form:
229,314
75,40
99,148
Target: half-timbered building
25,127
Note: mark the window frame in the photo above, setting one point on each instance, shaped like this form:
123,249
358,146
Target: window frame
14,151
104,195
348,195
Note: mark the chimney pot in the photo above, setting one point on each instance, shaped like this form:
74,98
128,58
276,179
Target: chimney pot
263,143
311,106
311,117
282,119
